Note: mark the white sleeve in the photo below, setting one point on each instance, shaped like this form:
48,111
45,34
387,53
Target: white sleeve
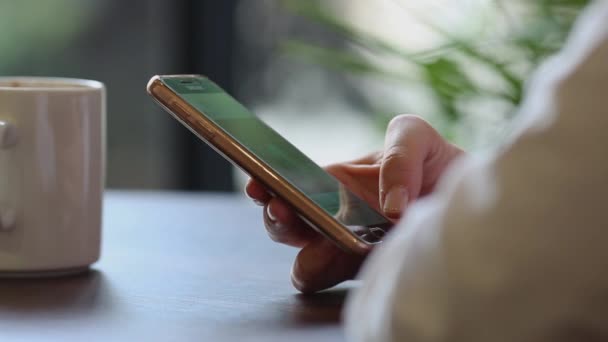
513,246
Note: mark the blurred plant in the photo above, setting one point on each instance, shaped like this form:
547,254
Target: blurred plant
446,70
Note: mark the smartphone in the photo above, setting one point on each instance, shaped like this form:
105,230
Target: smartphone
246,141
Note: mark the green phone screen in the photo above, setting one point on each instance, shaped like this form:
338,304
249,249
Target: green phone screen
278,153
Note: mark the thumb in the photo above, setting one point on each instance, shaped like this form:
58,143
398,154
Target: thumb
406,146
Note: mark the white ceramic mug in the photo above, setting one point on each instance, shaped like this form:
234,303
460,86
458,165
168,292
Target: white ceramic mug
52,156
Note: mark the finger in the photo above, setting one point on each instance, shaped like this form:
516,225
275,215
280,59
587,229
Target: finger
321,265
370,159
360,176
360,179
406,146
257,192
284,226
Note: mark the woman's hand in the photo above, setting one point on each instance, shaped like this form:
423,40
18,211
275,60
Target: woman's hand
413,159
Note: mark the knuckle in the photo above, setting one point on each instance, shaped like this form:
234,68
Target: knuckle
395,154
399,159
277,232
395,165
275,237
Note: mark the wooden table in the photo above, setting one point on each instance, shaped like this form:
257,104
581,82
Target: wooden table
175,267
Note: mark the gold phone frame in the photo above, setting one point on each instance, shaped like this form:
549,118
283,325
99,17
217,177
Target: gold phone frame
241,157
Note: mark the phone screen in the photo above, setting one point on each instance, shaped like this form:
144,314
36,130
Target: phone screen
278,153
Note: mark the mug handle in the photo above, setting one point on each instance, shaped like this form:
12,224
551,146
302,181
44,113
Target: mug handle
8,140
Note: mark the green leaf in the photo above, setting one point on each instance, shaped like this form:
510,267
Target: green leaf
546,24
315,12
338,59
448,82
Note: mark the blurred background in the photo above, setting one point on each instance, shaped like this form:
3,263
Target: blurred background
328,75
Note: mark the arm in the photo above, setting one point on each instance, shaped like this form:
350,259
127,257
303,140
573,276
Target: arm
511,246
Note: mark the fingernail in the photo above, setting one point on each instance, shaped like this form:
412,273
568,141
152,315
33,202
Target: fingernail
270,214
395,201
258,202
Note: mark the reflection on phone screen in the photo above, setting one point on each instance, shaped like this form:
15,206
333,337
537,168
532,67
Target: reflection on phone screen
278,153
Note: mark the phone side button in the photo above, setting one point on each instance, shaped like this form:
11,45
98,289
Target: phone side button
206,131
202,128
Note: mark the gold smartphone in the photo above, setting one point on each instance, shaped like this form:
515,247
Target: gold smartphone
245,140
